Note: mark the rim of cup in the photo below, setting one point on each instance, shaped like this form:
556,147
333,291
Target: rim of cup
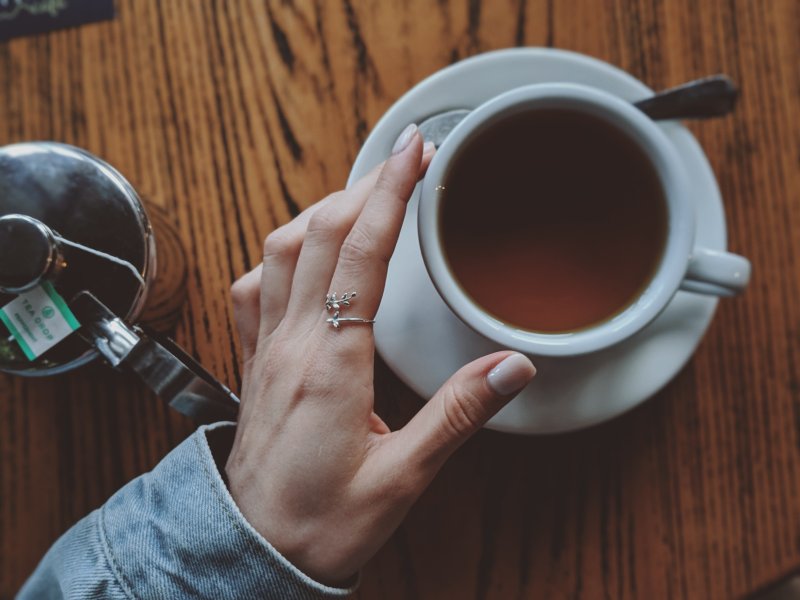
654,144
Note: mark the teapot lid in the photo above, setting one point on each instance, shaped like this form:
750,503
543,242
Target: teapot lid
104,240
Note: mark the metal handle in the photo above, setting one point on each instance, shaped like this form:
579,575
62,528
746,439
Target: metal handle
712,96
163,365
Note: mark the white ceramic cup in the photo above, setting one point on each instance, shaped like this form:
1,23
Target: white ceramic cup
684,266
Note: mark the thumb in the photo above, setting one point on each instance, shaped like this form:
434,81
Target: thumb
474,394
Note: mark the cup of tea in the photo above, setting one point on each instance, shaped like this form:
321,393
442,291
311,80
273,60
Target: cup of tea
555,220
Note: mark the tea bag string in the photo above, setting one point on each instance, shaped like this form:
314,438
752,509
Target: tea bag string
104,255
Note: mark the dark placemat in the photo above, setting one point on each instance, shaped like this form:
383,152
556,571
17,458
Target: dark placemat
29,17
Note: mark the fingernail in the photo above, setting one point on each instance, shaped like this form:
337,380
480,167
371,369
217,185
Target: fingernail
511,375
404,139
428,147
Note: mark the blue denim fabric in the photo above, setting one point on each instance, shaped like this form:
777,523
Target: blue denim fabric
172,533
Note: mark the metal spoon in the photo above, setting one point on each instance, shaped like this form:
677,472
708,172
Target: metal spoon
712,96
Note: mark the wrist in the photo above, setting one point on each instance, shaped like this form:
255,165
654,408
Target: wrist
314,549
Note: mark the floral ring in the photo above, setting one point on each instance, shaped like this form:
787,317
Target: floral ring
335,305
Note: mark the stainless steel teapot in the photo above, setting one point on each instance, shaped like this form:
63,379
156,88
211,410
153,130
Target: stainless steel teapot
70,220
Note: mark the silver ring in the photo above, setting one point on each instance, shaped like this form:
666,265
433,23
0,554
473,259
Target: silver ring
334,304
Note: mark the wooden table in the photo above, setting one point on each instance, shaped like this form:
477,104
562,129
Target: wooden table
234,115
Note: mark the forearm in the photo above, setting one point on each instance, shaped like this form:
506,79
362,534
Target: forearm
173,532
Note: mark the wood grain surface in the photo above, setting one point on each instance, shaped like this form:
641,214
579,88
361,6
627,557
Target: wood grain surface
234,115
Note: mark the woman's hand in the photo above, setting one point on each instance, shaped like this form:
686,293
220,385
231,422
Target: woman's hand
313,468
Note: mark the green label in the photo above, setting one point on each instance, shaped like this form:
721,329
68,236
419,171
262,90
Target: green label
38,319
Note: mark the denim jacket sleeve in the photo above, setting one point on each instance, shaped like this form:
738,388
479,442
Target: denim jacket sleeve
174,532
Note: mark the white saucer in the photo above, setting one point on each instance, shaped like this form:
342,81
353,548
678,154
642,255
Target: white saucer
424,342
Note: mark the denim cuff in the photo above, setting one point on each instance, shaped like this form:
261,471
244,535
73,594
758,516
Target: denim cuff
176,532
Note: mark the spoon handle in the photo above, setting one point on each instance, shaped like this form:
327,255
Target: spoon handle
712,96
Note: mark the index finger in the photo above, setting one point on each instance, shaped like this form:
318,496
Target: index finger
364,255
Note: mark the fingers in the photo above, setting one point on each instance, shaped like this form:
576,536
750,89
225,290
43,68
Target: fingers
245,296
364,255
461,406
254,309
329,227
281,252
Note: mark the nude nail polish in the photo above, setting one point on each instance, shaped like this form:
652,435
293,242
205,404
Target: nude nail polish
404,139
511,375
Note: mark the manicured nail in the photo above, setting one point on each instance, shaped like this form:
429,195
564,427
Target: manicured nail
428,147
404,139
511,375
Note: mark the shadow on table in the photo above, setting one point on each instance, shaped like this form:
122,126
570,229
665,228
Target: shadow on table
786,589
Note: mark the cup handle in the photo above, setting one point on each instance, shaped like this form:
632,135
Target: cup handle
716,273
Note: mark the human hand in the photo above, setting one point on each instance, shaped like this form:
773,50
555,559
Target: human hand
313,468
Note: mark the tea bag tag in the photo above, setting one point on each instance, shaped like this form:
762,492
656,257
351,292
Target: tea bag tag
38,319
